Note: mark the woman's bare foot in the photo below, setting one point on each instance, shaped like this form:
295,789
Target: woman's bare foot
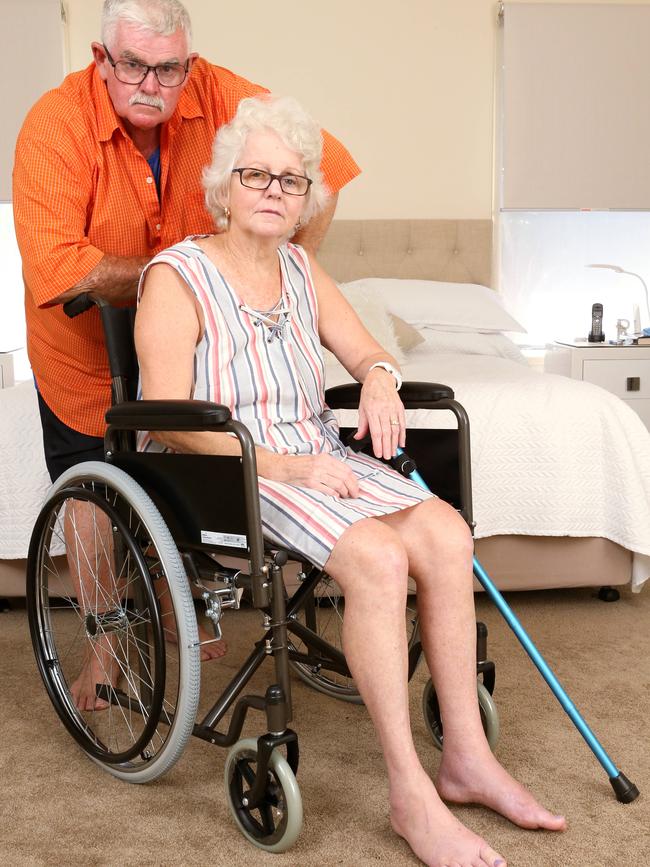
100,667
438,839
469,778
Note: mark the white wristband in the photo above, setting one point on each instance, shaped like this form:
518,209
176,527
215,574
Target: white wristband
388,367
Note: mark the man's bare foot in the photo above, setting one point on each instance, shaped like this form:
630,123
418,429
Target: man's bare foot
472,779
100,667
214,650
438,839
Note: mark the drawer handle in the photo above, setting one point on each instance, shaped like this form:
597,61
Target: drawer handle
633,383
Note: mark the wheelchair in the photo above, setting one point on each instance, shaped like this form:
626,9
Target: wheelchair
116,550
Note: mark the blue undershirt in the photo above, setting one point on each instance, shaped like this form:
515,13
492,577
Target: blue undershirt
154,165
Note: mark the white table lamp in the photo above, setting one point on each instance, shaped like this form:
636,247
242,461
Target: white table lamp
619,270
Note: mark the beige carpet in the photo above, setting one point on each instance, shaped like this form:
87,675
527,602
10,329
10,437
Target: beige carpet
58,808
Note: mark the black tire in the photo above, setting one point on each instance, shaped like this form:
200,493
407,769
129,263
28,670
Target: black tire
323,614
99,523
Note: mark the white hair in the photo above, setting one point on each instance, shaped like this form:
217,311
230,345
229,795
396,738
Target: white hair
160,16
282,115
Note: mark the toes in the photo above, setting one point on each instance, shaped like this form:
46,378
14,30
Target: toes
213,651
492,858
542,819
555,823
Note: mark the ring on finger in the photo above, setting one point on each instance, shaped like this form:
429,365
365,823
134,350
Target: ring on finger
394,421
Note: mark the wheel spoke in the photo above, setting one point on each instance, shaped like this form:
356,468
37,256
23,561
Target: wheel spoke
247,771
266,814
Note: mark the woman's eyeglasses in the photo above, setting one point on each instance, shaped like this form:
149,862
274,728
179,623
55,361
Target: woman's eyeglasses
256,179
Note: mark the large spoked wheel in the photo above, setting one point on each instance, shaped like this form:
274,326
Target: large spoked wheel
323,614
110,607
487,707
274,825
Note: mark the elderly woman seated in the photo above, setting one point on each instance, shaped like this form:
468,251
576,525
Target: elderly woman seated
239,318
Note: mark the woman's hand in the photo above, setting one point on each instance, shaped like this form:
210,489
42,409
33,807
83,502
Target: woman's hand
323,473
381,413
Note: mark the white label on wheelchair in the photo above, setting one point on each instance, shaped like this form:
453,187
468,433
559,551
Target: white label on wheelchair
230,540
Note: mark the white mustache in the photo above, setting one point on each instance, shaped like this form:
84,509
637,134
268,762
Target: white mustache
145,99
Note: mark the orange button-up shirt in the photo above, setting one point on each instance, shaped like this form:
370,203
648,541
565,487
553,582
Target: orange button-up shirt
83,190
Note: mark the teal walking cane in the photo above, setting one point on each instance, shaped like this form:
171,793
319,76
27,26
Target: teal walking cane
624,789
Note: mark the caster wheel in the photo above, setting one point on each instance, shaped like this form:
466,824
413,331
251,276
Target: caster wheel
487,707
609,594
274,825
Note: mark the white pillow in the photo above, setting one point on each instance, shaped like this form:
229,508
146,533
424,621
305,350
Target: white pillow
443,342
371,310
453,306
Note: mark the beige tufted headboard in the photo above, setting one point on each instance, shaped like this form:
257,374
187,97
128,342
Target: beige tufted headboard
457,251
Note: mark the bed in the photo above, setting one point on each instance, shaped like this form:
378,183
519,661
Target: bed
561,469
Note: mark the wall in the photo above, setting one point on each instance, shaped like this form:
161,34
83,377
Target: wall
407,86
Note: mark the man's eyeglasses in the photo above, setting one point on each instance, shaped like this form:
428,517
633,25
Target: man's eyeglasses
132,72
256,179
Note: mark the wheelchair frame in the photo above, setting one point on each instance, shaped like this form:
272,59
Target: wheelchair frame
264,583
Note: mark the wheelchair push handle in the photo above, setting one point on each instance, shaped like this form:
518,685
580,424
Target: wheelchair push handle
83,302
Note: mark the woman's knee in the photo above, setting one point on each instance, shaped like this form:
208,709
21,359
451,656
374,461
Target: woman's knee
370,554
445,532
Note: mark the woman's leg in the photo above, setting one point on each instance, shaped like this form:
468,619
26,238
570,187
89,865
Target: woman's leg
439,548
370,564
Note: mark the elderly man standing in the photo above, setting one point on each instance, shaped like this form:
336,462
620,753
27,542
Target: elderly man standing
107,174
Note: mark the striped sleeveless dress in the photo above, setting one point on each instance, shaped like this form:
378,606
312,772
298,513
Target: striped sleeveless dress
271,377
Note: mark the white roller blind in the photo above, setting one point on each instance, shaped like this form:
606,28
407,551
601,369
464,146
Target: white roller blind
576,106
31,62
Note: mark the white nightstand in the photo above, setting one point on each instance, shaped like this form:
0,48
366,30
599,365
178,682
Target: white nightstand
623,370
6,369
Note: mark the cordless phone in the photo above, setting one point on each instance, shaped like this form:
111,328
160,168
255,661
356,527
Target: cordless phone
596,335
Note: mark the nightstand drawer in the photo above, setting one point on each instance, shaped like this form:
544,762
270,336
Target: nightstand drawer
626,378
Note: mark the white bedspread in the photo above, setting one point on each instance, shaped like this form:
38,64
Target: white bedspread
551,456
23,477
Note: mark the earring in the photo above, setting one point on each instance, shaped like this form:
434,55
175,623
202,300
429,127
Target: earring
226,212
298,224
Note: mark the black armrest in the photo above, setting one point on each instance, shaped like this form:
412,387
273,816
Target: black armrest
343,396
412,394
419,394
185,415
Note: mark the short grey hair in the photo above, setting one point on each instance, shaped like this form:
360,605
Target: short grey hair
160,16
282,115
